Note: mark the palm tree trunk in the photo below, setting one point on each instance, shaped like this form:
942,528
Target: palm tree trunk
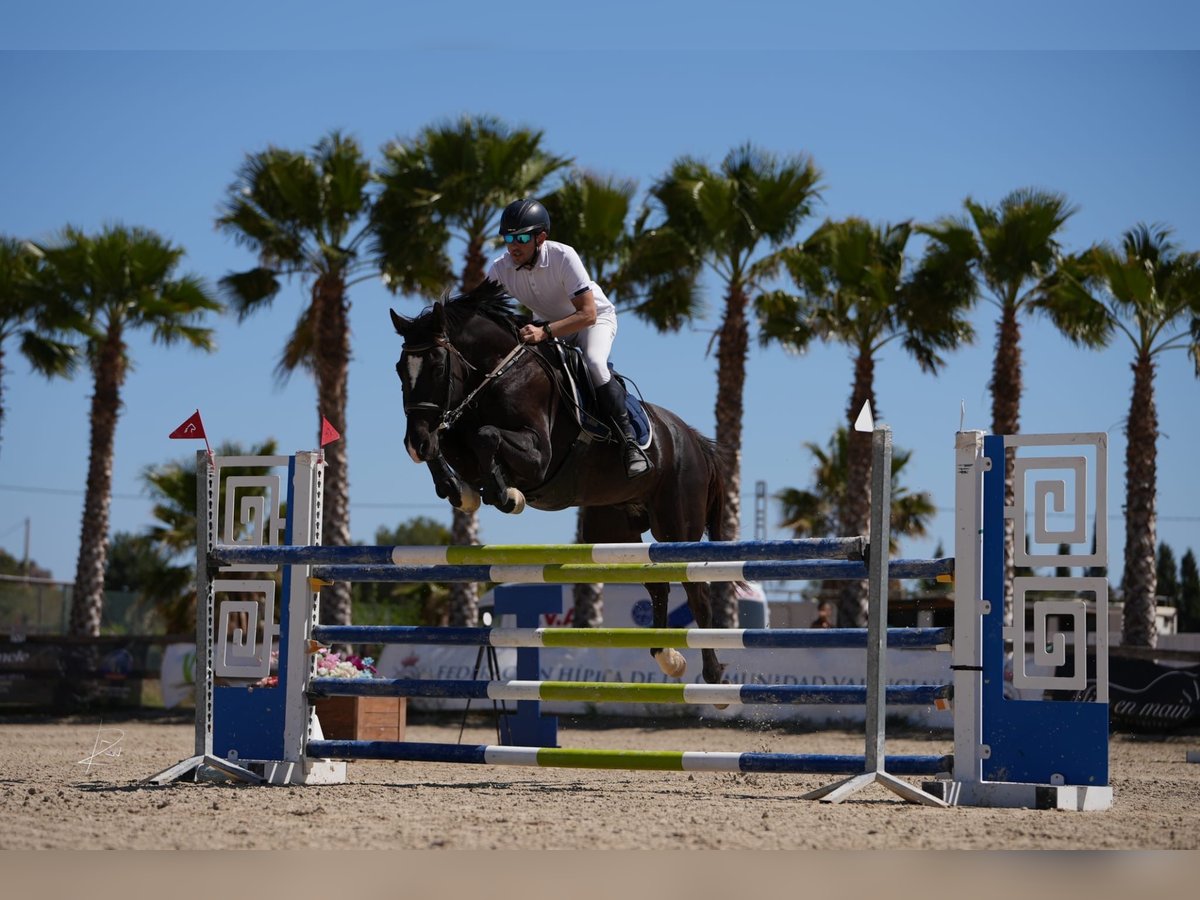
475,266
1006,410
732,350
464,596
856,499
1,387
1141,479
87,597
589,598
464,526
332,345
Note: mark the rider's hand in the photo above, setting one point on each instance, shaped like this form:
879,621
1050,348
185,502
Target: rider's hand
533,334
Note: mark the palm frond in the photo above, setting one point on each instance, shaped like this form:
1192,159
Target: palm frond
453,178
48,356
249,290
591,213
813,512
783,321
300,351
662,271
1068,299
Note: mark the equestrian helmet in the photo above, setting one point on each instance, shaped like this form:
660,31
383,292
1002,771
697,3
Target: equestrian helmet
524,217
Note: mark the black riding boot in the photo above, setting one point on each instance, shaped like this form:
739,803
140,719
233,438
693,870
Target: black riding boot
612,403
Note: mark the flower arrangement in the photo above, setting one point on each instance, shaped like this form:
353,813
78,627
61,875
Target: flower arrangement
270,680
329,665
334,665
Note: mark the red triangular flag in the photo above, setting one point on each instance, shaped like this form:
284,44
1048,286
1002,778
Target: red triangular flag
329,434
192,429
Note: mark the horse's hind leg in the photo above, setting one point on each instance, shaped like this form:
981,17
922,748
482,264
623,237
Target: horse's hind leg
495,489
670,660
699,601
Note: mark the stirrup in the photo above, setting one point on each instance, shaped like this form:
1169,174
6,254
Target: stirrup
635,458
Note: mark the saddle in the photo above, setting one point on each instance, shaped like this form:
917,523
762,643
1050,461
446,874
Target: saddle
575,383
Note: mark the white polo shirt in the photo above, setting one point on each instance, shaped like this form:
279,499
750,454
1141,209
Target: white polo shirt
548,287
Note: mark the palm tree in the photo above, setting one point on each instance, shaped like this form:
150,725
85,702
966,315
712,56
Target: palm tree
1149,291
854,289
452,181
1015,249
306,215
720,219
590,212
817,512
23,316
118,281
164,594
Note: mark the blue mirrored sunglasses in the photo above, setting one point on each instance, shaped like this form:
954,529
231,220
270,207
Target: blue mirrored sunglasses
519,238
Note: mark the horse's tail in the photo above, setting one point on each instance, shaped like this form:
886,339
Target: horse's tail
719,460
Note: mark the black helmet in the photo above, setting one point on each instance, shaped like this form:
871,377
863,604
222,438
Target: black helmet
524,217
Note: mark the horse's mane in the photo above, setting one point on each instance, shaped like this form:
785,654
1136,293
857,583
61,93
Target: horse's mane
489,300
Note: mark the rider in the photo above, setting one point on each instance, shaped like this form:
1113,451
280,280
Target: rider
549,278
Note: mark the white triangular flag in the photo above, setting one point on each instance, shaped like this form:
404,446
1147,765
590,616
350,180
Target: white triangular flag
865,422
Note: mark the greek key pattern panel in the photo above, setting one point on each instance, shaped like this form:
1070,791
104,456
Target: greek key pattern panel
252,510
1058,494
1060,515
246,630
1058,624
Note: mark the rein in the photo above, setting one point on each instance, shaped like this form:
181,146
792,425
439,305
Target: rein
503,366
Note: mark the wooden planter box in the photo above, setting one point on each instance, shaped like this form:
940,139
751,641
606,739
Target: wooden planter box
362,718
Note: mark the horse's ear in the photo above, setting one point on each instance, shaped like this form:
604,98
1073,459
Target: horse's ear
439,316
399,322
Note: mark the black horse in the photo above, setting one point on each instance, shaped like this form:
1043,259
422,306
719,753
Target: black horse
491,419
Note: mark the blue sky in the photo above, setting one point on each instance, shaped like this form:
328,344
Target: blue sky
143,119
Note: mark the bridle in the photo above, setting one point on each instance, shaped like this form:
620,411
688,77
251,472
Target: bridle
450,416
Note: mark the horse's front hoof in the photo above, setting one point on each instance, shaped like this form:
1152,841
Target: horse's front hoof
671,662
514,502
468,500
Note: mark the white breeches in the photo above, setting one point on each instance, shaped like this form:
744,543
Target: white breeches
596,343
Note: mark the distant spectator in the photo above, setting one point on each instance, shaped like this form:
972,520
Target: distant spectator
825,616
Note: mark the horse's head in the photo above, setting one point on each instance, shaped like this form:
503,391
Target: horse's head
426,379
443,347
